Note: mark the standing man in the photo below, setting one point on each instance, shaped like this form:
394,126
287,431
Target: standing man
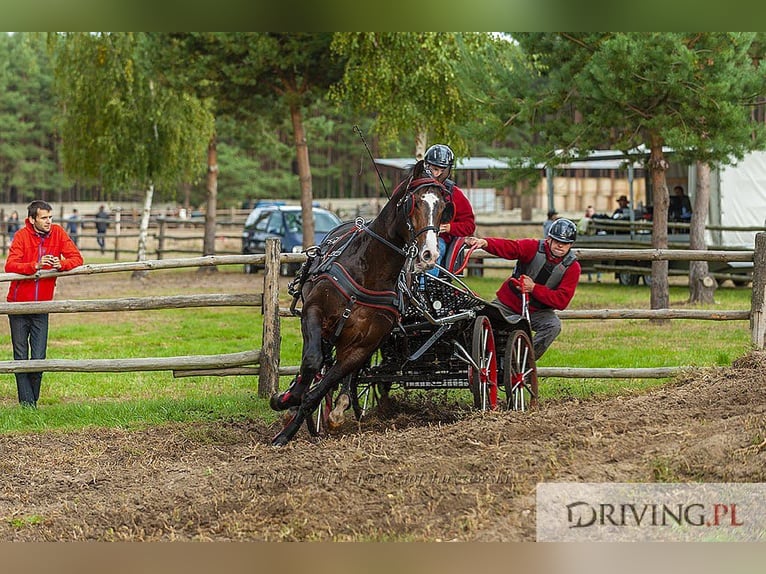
102,222
73,226
548,271
38,246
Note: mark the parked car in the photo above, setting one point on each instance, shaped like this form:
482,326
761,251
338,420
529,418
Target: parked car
284,222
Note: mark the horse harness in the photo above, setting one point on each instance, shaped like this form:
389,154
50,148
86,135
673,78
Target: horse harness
322,263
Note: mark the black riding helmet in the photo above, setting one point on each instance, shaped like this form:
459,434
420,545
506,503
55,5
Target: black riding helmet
439,155
563,230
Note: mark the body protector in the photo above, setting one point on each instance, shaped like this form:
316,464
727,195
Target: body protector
543,271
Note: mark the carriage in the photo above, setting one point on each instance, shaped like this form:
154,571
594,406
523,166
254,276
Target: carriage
373,318
450,338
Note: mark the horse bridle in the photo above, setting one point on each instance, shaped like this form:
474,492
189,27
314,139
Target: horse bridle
407,203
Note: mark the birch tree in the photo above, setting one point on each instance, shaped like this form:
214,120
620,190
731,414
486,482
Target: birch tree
120,126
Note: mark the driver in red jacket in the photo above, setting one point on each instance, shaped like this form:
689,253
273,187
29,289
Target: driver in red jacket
549,272
439,160
38,246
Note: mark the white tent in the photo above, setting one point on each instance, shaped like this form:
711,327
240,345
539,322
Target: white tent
738,199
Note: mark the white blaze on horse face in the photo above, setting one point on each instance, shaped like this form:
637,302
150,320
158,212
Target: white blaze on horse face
430,243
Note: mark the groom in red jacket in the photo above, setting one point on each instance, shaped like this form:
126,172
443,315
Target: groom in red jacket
38,246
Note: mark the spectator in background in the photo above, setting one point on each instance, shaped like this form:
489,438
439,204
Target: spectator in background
553,215
623,211
73,226
13,224
680,209
102,224
39,246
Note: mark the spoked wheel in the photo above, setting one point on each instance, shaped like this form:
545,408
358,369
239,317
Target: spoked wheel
483,380
520,372
627,279
318,423
366,395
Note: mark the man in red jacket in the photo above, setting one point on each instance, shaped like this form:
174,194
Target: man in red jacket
548,271
439,160
38,246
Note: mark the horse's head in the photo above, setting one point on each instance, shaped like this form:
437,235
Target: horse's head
427,205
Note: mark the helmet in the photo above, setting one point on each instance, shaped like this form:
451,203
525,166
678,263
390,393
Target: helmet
563,230
439,155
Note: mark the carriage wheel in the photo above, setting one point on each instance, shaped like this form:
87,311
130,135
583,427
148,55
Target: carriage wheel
365,395
364,398
520,372
318,423
483,382
320,417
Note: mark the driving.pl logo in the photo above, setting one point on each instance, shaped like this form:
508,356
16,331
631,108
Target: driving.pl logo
645,512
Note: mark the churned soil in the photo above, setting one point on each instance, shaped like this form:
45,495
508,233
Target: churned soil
428,470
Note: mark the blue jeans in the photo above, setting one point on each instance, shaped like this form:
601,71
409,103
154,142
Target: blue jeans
29,336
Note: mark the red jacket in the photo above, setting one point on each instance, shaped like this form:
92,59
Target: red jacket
27,249
463,224
524,250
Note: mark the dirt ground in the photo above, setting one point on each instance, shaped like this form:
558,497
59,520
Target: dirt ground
429,471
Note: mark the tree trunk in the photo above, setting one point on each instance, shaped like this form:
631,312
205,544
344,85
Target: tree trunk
143,232
701,285
420,144
658,165
208,243
304,174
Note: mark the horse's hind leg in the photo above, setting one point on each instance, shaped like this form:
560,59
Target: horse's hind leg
337,415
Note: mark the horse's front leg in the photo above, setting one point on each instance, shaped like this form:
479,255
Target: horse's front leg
311,363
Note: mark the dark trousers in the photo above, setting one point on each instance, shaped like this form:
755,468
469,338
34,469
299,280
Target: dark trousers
29,336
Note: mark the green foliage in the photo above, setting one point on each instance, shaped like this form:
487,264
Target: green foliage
690,91
28,143
408,80
121,125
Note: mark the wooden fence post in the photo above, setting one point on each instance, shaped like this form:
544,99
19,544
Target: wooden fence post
268,382
117,231
161,238
758,304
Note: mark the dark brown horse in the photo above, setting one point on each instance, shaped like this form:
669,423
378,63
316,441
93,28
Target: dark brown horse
349,291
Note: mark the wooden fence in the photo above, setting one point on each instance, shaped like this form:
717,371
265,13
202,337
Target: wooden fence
756,315
265,362
224,364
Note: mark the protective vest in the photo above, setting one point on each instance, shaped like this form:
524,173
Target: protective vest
543,271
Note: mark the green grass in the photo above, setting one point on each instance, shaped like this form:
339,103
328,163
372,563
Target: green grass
130,400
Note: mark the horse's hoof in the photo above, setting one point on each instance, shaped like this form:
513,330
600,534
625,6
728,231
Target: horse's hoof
283,401
338,414
292,421
280,440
